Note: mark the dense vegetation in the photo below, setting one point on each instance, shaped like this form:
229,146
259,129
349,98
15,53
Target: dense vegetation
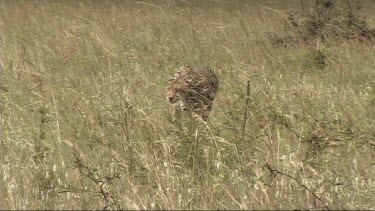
85,123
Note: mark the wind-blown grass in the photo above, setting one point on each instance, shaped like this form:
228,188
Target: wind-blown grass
85,123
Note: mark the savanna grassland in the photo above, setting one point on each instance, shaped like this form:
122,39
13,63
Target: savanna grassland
85,123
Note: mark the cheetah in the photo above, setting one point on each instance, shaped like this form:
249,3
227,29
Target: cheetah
194,89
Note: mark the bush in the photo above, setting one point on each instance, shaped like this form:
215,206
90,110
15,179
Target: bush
328,20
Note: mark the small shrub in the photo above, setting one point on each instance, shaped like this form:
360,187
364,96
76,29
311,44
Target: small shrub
318,58
327,20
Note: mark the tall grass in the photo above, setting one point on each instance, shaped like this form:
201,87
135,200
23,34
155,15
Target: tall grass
85,123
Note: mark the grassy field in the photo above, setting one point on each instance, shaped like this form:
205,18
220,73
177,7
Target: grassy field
85,123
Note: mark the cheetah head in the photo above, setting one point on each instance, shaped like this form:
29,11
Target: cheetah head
176,89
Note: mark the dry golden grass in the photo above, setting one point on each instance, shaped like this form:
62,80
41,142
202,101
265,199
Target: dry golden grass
85,123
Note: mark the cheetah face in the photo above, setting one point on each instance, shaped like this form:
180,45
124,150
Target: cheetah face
176,89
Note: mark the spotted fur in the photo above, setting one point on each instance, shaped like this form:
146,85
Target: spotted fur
195,90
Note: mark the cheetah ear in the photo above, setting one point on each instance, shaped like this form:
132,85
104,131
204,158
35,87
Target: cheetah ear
184,68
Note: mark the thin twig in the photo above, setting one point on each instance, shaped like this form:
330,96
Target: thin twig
100,182
350,8
275,172
246,109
